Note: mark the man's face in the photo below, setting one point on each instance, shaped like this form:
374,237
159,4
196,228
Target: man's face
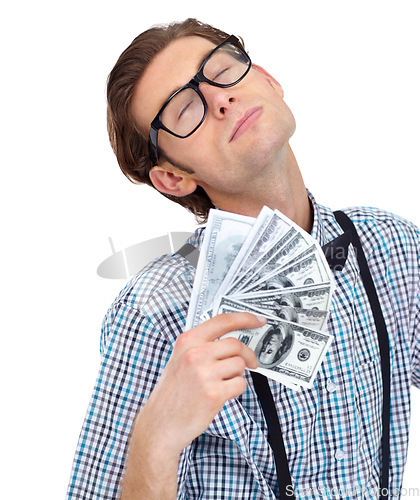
228,152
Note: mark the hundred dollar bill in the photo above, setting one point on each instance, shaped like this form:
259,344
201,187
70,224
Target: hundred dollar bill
292,244
311,318
224,236
313,297
286,352
309,270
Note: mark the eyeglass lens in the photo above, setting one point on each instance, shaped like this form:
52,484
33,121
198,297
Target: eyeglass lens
185,110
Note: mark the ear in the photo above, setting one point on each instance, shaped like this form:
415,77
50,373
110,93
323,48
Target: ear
272,81
168,181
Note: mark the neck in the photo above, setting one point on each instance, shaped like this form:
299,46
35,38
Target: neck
282,189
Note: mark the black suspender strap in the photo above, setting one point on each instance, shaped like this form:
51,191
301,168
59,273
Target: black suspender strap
275,437
383,341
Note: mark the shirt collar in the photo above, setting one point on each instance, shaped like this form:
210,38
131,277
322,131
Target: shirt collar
318,232
325,227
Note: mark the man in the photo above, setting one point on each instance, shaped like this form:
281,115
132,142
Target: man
175,414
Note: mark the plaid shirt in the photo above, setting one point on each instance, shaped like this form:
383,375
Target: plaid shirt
332,432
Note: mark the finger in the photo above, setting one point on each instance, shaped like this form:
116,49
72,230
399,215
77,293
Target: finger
248,355
221,324
229,347
233,387
230,368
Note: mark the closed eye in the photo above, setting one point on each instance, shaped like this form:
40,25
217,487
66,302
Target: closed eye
184,110
220,73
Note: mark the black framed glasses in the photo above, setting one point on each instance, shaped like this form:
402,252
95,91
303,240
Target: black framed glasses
186,109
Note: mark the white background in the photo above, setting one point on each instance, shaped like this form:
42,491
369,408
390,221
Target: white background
350,75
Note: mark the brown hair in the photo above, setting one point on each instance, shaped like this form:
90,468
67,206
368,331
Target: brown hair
130,147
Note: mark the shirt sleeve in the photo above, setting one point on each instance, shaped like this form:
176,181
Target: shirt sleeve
415,375
133,355
415,314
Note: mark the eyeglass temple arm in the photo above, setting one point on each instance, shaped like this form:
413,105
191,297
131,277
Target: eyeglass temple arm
153,144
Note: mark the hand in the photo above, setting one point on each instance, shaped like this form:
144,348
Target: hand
199,378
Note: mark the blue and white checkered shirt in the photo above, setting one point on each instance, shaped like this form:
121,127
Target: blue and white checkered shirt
332,432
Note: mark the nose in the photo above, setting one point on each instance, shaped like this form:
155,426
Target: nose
219,100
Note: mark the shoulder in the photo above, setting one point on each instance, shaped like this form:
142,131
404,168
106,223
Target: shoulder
377,227
154,302
382,224
156,298
169,275
377,216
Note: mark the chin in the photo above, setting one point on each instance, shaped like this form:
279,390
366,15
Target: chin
275,135
268,150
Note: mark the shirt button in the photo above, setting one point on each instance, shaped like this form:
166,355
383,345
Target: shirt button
331,387
339,454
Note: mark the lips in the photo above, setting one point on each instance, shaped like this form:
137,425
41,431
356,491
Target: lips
245,122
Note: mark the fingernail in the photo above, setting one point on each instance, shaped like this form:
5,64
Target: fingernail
261,319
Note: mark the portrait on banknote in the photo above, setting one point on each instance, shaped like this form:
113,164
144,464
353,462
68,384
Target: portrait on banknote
275,345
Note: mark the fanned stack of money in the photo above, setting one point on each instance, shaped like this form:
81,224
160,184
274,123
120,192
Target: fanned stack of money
271,267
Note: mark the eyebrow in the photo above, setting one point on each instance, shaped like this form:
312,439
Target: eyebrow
175,89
